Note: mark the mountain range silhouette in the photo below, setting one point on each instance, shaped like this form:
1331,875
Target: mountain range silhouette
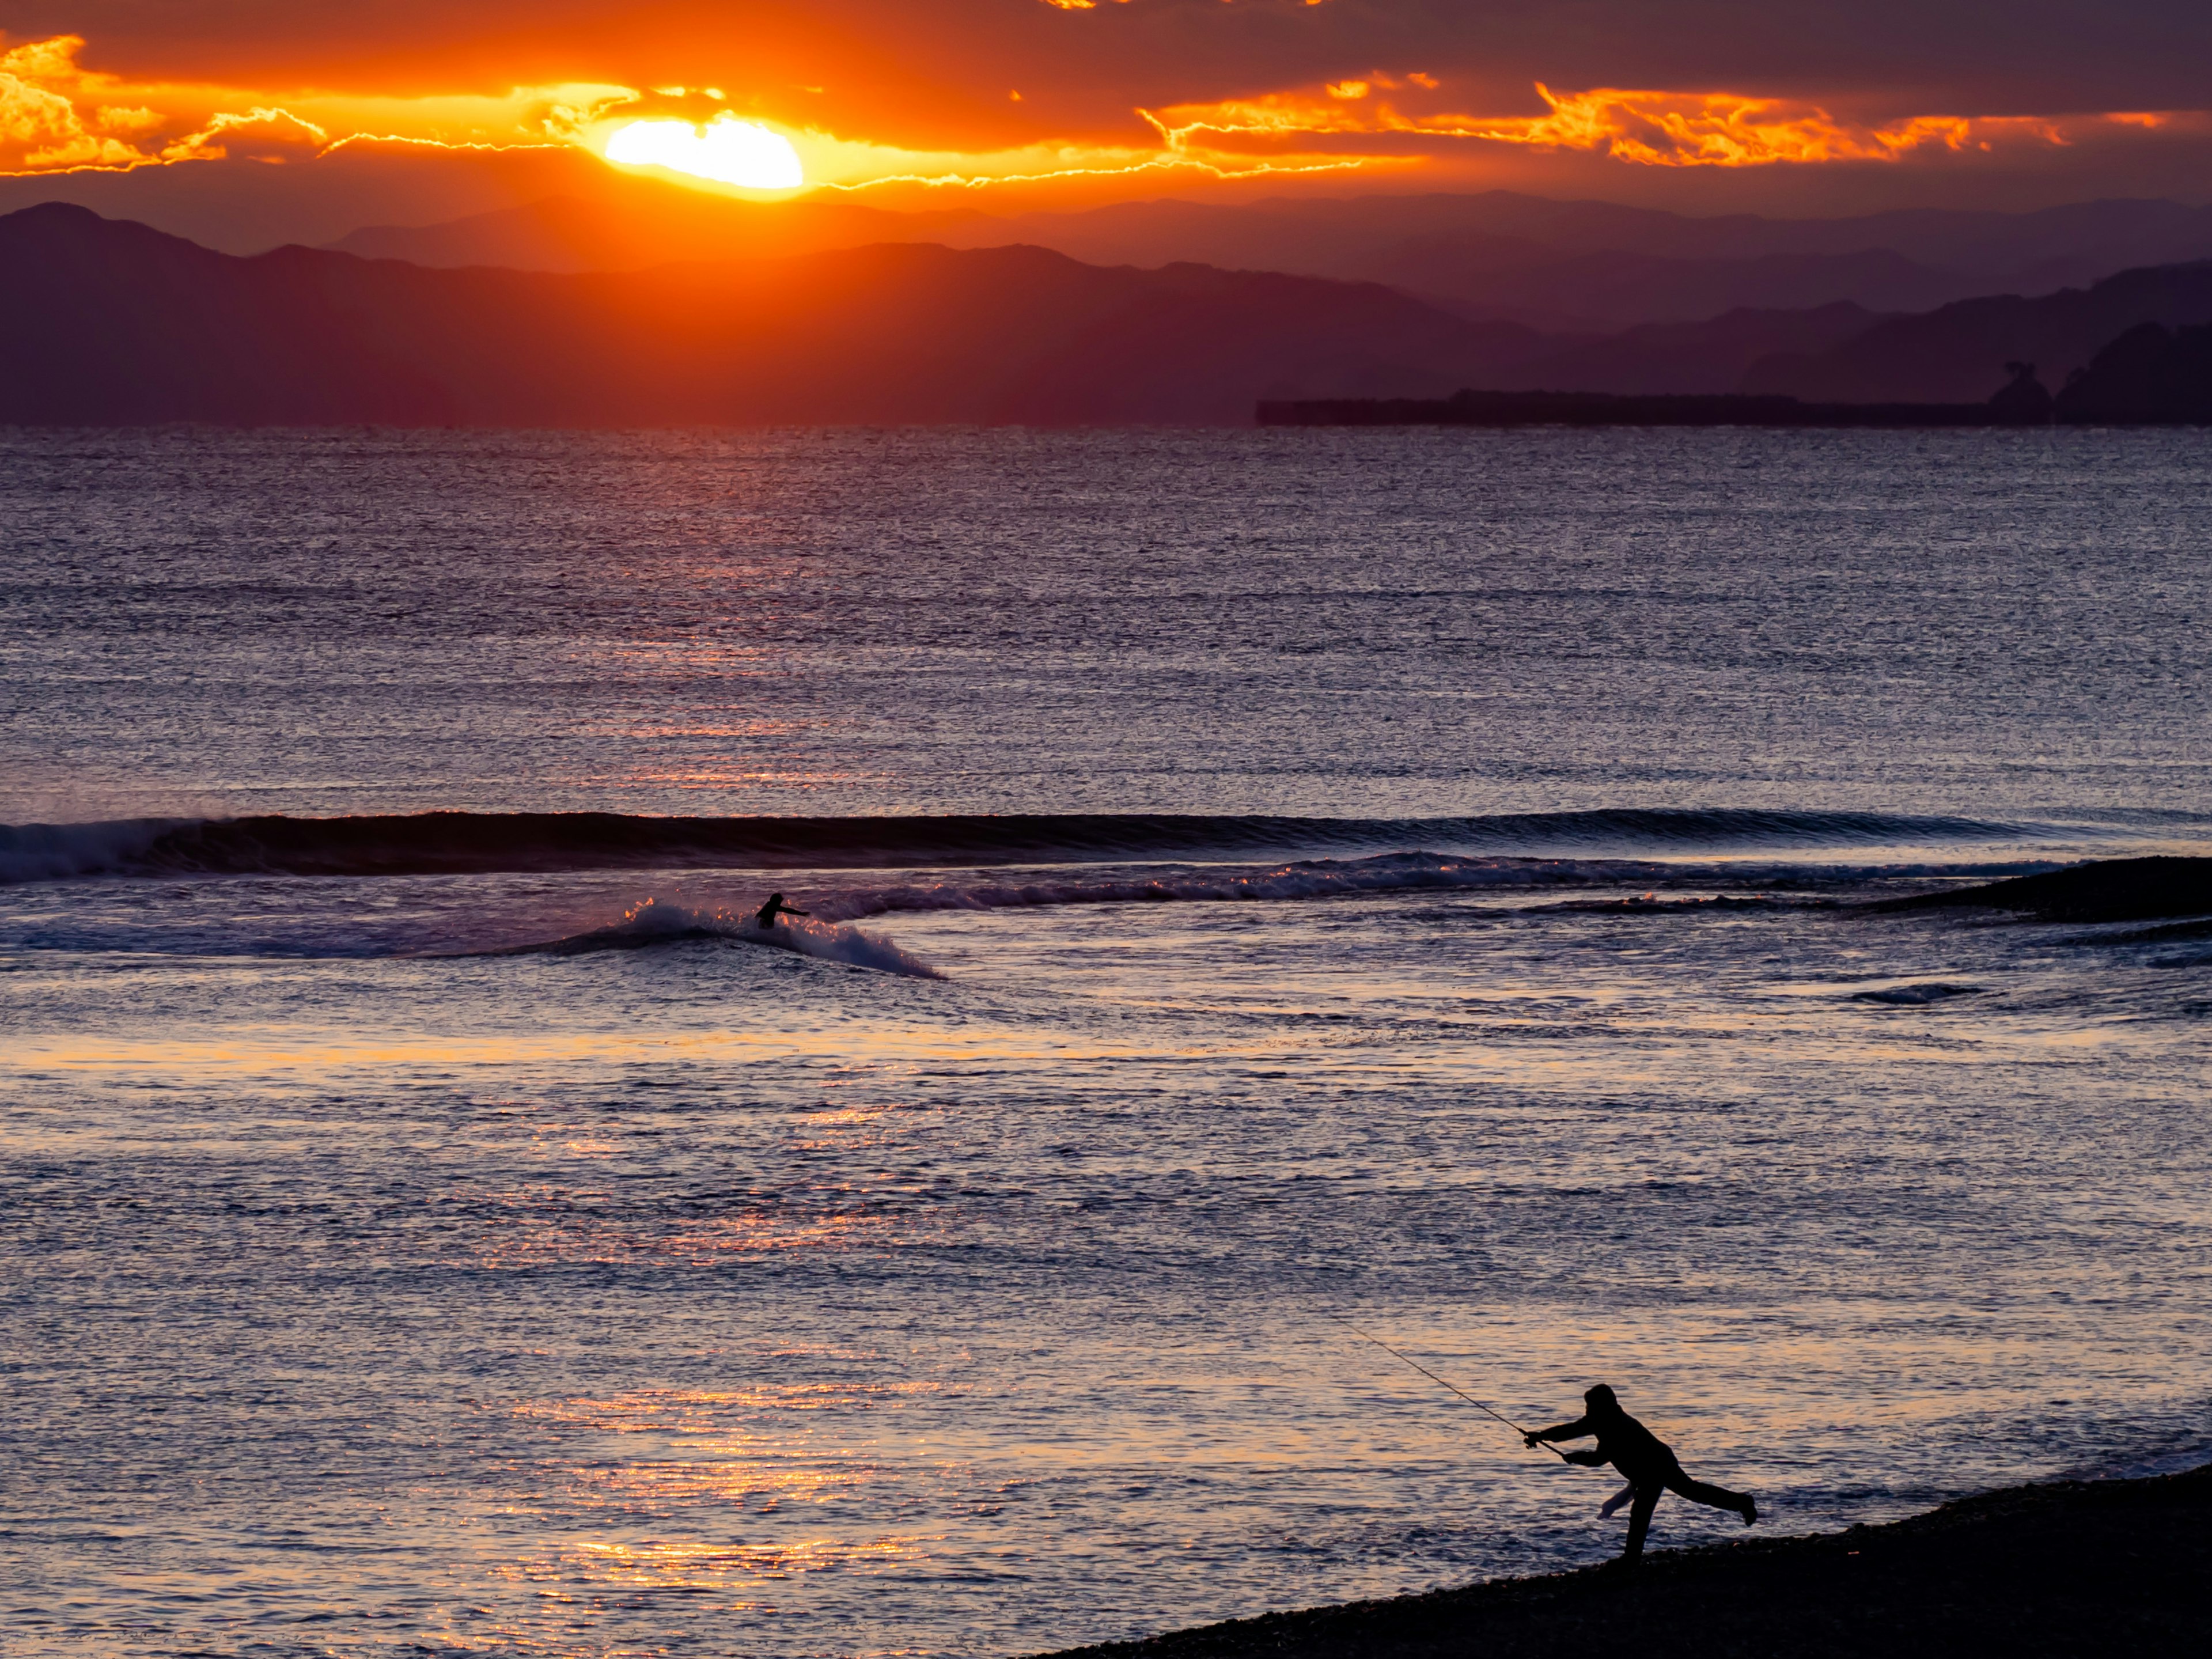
112,322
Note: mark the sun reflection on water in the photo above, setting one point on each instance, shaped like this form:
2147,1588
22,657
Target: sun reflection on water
559,1226
737,1461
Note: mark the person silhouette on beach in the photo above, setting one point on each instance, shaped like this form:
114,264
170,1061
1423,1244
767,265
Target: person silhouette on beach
765,917
1648,1462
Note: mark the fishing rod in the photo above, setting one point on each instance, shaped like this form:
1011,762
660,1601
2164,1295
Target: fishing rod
1433,1377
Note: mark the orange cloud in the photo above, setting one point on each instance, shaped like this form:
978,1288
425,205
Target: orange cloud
1658,128
1644,128
41,125
845,164
56,116
264,134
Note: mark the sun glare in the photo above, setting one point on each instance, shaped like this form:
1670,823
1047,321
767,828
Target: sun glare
727,151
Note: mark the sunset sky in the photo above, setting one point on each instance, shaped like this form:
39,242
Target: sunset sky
1009,104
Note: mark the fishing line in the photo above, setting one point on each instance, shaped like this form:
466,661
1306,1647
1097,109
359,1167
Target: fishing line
1433,1377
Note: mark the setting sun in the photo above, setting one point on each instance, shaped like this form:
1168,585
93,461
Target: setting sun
727,151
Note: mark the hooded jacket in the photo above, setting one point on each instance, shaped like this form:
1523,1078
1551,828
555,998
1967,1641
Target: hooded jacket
1623,1442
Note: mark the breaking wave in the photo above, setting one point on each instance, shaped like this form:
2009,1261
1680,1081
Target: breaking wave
653,923
436,843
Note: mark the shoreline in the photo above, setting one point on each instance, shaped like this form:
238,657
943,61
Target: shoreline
2065,1567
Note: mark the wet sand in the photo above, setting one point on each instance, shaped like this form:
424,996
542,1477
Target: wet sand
2111,1566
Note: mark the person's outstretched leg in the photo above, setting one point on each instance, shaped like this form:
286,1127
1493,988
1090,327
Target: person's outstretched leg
1713,1498
1639,1521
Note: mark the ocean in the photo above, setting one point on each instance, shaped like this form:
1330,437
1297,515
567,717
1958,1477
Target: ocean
1266,891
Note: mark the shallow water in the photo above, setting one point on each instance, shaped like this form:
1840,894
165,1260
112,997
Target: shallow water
370,1288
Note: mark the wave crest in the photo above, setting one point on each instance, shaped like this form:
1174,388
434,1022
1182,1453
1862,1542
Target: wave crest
1307,879
459,843
652,923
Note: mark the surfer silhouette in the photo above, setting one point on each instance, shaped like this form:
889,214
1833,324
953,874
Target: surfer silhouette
1648,1462
768,913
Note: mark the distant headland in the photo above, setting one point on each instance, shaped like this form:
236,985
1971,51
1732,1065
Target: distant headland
2149,376
1472,408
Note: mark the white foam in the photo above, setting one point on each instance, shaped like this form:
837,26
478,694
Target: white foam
655,922
54,852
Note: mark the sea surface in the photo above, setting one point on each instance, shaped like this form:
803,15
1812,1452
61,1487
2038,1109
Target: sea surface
1267,890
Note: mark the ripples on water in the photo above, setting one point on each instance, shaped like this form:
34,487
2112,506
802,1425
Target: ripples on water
367,1292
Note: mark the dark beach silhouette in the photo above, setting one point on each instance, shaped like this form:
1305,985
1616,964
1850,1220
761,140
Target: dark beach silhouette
2110,1566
